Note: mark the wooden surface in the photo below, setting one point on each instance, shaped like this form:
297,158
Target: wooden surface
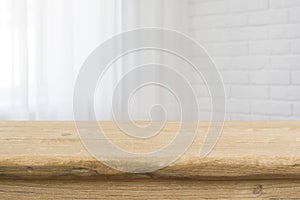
251,159
149,189
245,149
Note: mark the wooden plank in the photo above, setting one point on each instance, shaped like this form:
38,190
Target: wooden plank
150,189
245,150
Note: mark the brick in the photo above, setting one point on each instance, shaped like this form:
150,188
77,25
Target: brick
283,3
222,62
279,47
215,35
246,5
249,92
295,77
229,20
199,78
249,62
296,109
269,17
285,93
204,45
277,3
259,47
271,108
237,19
218,21
284,31
201,22
235,77
248,33
270,77
209,7
203,61
295,15
202,91
230,49
236,106
295,46
293,30
277,32
269,47
257,50
285,62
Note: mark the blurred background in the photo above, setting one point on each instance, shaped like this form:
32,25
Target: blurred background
255,44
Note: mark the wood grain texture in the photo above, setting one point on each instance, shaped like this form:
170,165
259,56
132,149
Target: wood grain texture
245,150
150,189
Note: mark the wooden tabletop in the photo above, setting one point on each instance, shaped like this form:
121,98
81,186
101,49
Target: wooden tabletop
245,150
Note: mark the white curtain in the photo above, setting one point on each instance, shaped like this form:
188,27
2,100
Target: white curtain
43,44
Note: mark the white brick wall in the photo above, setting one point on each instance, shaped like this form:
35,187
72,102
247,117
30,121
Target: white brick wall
256,46
296,109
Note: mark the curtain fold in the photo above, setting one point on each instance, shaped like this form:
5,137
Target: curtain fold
45,42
